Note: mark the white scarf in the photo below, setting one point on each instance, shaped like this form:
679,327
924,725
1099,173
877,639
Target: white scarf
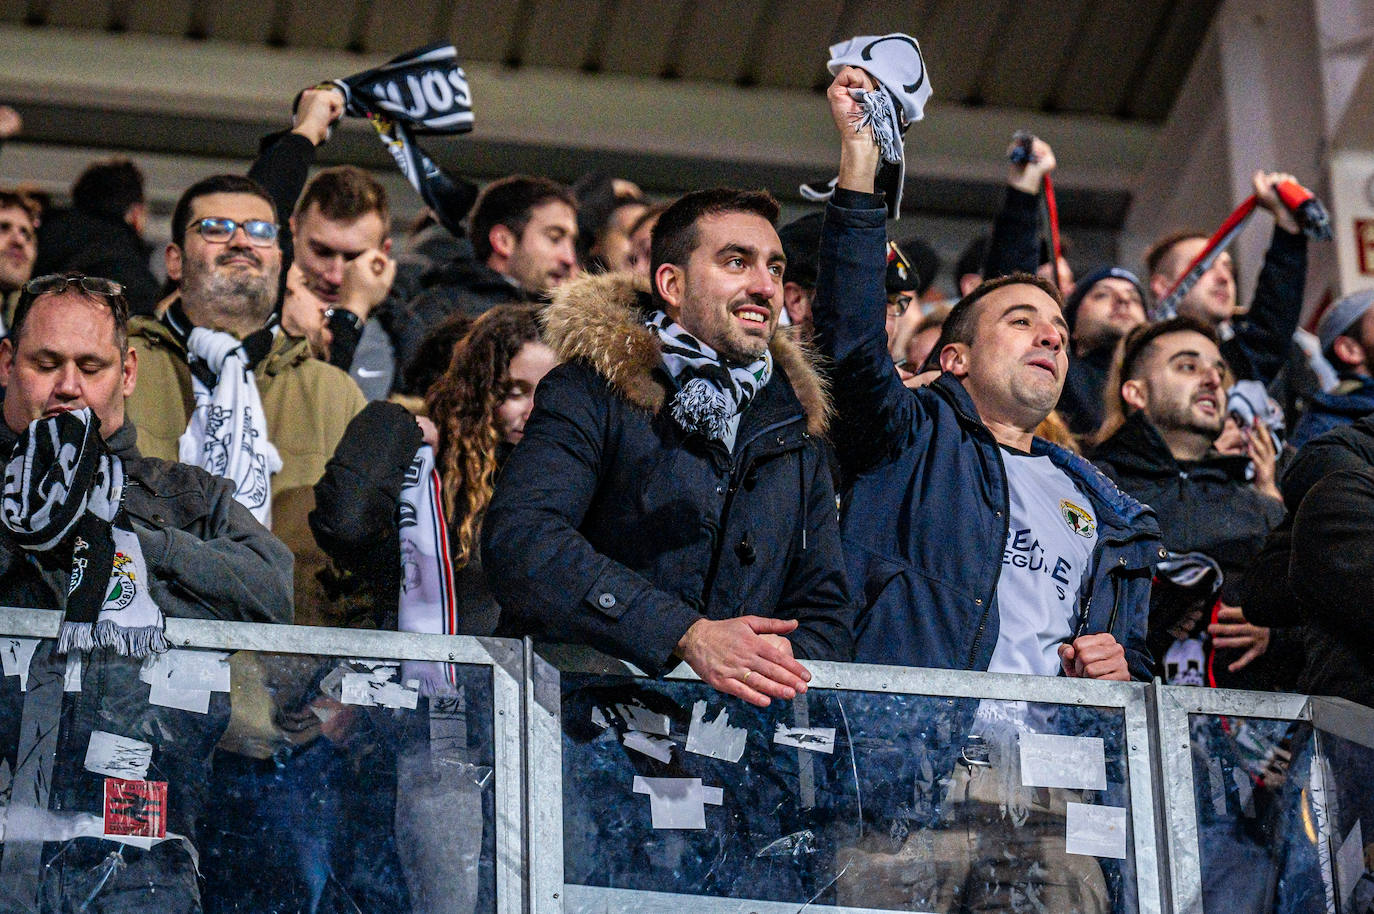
427,602
227,434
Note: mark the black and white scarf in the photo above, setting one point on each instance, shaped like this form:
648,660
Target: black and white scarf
227,433
64,488
895,62
420,92
710,391
427,601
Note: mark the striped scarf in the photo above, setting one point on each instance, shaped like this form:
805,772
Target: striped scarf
427,601
710,391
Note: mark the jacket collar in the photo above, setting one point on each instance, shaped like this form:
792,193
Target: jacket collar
1126,511
1138,448
600,320
285,352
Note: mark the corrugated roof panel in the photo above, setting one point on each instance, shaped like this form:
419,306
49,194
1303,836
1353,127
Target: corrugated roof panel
717,38
388,33
795,40
642,37
482,30
1037,38
560,33
1096,79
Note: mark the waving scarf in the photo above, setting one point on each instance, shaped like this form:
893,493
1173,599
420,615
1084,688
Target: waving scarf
63,490
420,92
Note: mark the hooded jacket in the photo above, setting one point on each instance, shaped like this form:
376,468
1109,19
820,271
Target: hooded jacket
208,559
1351,400
1206,506
613,527
925,521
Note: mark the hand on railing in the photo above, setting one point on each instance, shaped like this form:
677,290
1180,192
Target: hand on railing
743,657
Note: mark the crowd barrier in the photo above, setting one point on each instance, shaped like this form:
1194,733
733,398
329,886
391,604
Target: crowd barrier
374,771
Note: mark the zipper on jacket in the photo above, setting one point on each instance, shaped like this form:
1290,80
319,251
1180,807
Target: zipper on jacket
997,576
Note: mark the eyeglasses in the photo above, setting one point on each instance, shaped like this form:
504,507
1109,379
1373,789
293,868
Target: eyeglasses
58,282
261,233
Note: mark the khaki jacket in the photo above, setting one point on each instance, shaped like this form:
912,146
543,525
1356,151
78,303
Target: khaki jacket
308,405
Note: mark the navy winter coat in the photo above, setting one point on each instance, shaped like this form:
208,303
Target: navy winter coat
613,527
925,522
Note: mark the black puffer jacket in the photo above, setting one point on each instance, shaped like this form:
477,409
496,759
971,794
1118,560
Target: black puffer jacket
612,527
69,239
463,286
1278,591
1206,507
208,559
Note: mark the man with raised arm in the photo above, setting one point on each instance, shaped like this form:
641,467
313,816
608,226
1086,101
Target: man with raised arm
975,545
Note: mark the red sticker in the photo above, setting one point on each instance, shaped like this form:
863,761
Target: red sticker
136,808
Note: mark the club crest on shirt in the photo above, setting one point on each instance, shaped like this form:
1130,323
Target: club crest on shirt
1078,519
122,588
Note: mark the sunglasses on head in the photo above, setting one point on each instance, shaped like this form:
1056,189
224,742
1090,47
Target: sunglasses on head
58,282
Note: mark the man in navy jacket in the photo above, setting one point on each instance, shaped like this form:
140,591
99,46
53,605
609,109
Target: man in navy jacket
926,526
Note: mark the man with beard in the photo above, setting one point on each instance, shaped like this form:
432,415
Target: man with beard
670,499
1105,305
1170,406
226,389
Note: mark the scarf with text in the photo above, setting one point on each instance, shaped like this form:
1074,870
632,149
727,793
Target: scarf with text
710,391
427,603
420,92
64,489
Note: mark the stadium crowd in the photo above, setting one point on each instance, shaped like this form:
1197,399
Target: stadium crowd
673,431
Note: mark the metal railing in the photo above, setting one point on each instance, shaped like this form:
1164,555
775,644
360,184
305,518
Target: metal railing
612,791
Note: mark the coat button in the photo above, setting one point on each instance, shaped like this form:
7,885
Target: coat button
606,600
1121,560
979,601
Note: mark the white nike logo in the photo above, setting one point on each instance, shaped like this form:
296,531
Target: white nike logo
370,373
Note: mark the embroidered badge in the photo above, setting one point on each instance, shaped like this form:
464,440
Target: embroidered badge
123,589
1078,519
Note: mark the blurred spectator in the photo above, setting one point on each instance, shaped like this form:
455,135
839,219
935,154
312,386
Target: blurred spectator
342,231
1346,335
188,550
476,413
641,237
920,346
433,358
524,236
607,208
614,504
800,243
1108,304
19,221
1256,343
1171,390
102,233
968,269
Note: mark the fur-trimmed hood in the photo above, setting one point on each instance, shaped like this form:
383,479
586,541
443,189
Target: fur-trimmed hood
597,319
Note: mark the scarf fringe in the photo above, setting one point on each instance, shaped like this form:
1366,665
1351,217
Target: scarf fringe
127,642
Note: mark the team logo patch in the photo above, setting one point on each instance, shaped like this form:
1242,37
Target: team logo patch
123,588
1078,519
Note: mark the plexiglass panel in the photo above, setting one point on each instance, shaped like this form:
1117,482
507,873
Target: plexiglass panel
245,782
850,799
1258,802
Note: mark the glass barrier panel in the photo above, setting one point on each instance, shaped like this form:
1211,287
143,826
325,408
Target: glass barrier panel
1345,735
241,781
856,800
1257,802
